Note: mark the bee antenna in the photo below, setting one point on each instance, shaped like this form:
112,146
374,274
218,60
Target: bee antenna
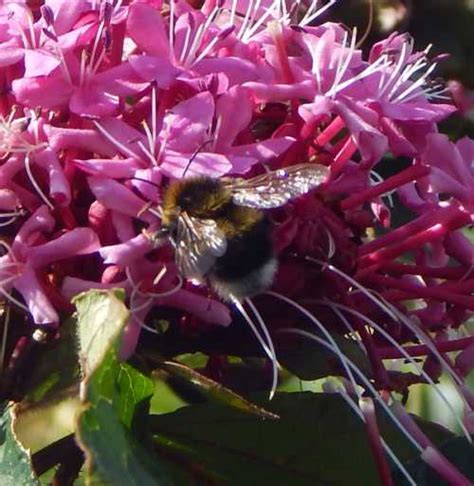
195,154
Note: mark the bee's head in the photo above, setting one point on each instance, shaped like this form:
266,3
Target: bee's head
201,197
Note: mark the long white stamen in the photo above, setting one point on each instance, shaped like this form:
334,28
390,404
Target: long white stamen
254,329
396,71
233,10
321,327
270,345
251,31
375,178
184,49
9,221
10,297
171,28
8,249
344,60
197,40
407,73
98,63
96,42
134,309
243,26
308,19
6,325
149,136
154,124
417,84
41,194
407,356
124,149
366,382
380,63
150,156
397,316
200,33
207,49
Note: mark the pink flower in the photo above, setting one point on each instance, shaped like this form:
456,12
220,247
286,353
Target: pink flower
29,254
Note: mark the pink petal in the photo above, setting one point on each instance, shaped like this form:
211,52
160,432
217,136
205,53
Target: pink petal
40,63
79,241
66,13
204,164
200,306
157,69
113,168
146,28
188,123
93,102
124,254
127,136
234,110
237,70
261,151
116,196
59,188
40,221
50,92
120,80
87,140
264,92
38,303
422,111
10,54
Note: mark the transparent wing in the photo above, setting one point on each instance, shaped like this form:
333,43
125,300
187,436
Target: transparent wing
198,243
278,187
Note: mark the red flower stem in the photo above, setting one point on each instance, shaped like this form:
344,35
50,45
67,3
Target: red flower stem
463,287
450,273
330,131
415,291
421,223
423,350
435,232
375,441
342,157
398,180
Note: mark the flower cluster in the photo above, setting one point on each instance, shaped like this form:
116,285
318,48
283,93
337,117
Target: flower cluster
104,102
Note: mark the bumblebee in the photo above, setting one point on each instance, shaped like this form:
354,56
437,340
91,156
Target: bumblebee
219,231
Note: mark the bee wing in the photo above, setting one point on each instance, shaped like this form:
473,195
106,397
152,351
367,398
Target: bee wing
278,187
198,243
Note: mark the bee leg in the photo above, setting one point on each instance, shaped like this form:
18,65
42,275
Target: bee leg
145,208
209,301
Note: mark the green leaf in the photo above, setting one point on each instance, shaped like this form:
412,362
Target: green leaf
317,441
101,318
15,466
57,370
215,390
115,397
